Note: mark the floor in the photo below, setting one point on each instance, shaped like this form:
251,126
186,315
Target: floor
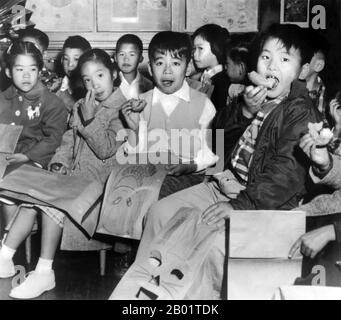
77,275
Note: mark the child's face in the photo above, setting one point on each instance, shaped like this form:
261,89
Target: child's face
70,59
25,73
168,72
128,58
276,62
97,77
235,71
203,56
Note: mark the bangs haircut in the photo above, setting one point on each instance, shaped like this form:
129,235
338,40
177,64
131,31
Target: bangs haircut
37,34
178,44
77,42
130,39
291,36
26,49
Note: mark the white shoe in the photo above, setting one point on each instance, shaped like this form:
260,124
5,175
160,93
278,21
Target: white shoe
7,269
34,285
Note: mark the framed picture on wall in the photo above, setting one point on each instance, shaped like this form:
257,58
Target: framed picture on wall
134,15
295,12
235,15
62,15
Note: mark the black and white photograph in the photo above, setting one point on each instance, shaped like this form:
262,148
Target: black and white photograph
170,150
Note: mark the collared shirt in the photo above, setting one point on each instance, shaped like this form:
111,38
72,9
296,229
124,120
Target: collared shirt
130,90
205,157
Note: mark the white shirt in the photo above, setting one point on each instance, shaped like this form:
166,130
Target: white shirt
130,90
205,157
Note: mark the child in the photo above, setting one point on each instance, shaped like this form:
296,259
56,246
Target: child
210,45
41,41
73,48
172,104
129,49
266,169
94,124
317,63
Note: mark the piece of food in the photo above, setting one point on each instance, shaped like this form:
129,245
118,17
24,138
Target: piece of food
269,82
138,105
322,136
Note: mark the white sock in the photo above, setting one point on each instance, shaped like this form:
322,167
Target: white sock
44,265
6,252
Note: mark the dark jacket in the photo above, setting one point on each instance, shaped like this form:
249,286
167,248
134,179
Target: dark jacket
278,173
221,83
43,116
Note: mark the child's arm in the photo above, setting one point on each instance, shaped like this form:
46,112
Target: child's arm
131,111
253,97
53,124
101,133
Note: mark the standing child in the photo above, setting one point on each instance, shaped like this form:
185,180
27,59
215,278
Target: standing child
173,105
267,169
73,48
129,54
210,45
95,124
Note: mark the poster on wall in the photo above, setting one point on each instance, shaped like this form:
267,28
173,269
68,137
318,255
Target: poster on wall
134,15
295,12
62,15
235,15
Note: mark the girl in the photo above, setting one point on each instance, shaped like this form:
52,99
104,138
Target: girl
210,44
88,149
28,103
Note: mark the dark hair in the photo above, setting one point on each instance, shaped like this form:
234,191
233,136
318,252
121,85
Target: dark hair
177,43
77,42
239,54
317,42
23,48
37,34
95,55
218,39
130,39
292,36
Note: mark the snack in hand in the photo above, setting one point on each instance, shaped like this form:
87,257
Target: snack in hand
268,82
138,105
322,136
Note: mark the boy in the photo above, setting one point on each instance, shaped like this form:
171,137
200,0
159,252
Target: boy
317,63
172,104
73,48
129,49
267,170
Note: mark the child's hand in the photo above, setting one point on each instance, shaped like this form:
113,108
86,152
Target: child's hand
253,97
130,115
17,158
180,169
311,243
320,156
217,214
58,168
88,108
335,112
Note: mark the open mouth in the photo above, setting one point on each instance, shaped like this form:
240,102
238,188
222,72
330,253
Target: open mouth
167,83
274,81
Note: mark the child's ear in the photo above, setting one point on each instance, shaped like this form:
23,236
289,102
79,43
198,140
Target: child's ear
8,73
150,69
304,71
141,58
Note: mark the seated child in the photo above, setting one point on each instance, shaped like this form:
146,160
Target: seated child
172,104
315,85
28,103
210,45
73,48
267,170
129,54
41,40
95,124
